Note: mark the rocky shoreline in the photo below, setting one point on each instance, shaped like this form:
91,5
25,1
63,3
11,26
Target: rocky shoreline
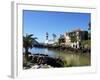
37,61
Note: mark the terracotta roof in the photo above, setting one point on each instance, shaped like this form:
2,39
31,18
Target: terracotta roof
77,30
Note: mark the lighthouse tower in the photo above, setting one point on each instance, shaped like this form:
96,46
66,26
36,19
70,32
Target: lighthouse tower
47,35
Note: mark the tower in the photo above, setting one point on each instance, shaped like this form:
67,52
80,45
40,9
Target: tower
46,41
47,35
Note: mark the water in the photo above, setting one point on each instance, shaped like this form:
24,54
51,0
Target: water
71,58
51,53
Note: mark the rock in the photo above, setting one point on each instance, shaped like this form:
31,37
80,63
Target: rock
35,67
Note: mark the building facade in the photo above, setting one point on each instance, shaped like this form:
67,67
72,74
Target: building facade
74,38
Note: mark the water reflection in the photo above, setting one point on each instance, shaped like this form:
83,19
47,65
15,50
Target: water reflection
75,59
51,53
72,59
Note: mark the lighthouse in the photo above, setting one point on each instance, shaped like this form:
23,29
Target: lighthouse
47,36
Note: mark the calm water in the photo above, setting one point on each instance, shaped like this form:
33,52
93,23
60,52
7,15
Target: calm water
71,58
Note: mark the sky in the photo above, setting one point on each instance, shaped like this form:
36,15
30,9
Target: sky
40,22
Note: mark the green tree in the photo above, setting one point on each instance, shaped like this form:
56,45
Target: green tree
61,39
28,42
86,43
89,30
73,37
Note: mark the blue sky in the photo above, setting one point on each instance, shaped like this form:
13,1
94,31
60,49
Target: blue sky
40,22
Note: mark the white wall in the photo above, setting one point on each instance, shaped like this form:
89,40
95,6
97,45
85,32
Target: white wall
5,39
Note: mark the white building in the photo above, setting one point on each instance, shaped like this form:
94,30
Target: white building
67,39
79,34
49,42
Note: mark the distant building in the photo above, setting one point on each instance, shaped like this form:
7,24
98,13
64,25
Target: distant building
50,41
74,38
70,39
67,39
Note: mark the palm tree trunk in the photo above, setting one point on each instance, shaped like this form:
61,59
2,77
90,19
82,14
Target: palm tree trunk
26,54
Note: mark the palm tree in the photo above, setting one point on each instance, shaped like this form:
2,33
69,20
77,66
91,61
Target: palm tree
28,42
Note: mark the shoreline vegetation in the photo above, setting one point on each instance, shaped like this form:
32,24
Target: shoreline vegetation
64,48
